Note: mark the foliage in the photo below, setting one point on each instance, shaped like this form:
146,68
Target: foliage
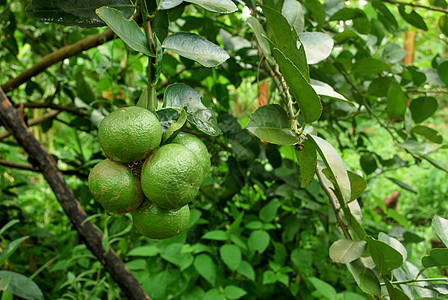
347,123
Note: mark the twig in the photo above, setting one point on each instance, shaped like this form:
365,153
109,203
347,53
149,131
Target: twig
36,121
428,7
334,204
418,280
86,230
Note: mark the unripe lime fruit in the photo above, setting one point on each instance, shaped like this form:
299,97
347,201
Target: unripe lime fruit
159,223
129,134
115,187
171,176
193,143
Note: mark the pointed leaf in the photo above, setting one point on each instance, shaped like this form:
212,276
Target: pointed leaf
178,96
394,243
323,288
396,101
423,108
205,266
145,251
271,123
195,47
293,11
357,184
429,133
385,257
307,99
365,277
260,35
402,185
76,13
334,163
323,89
395,293
370,66
441,228
442,71
217,235
246,270
128,31
438,164
219,6
412,18
443,24
10,249
285,39
258,241
345,251
21,285
234,292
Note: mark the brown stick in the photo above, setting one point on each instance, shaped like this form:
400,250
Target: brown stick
57,56
414,5
92,238
36,121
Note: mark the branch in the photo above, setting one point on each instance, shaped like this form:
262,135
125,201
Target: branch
428,7
92,238
57,56
36,121
334,204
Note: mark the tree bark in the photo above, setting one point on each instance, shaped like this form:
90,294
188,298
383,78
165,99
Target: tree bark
14,123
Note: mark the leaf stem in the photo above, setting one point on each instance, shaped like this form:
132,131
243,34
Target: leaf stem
418,280
414,5
149,37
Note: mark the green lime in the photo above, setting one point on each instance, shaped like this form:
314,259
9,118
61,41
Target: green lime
159,223
129,134
115,187
171,176
193,143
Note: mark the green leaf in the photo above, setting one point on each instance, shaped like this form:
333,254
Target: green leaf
394,243
365,277
385,12
195,47
368,163
84,90
385,257
347,13
10,249
437,257
285,40
317,9
438,164
269,211
174,128
156,68
378,87
322,287
178,96
246,270
443,24
395,293
20,285
393,53
423,108
234,292
323,89
146,251
8,225
335,165
293,11
412,18
402,185
442,70
396,101
370,66
219,6
128,31
76,13
260,35
217,235
317,46
205,266
357,184
307,99
258,241
166,116
307,159
441,228
168,4
213,294
345,251
429,133
269,277
271,123
231,256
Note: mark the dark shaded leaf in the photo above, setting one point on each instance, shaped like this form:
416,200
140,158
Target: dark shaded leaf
437,257
20,285
423,108
385,257
357,184
365,277
402,185
429,133
307,159
396,101
205,266
76,12
412,18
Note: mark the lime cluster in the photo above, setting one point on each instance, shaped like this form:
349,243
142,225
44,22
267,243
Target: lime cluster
154,182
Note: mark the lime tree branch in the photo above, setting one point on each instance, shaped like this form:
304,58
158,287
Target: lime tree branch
428,7
14,123
334,204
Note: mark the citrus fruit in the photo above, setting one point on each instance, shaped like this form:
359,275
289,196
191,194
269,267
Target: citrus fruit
159,223
115,187
193,143
129,134
171,176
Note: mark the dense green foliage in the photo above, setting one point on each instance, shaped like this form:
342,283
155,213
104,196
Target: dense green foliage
263,226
